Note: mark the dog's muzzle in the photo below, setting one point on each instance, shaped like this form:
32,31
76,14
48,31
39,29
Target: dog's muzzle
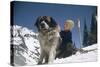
44,25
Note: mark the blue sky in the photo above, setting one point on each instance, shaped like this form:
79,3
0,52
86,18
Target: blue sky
26,13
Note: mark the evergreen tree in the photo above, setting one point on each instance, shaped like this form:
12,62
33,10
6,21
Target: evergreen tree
93,30
74,46
85,35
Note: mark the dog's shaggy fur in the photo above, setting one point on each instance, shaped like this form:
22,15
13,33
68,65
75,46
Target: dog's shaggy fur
49,38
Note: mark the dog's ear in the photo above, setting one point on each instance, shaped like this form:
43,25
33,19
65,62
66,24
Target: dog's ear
54,24
37,23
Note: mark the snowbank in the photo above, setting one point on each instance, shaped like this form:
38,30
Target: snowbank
90,56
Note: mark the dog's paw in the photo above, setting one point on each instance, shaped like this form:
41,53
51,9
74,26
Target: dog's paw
39,63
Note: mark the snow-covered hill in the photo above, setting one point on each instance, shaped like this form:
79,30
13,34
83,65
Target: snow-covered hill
90,56
26,46
27,49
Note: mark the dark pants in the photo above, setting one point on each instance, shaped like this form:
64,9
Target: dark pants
65,51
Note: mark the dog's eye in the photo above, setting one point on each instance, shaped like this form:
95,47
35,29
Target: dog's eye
47,21
41,19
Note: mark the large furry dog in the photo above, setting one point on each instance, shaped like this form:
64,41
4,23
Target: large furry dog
49,38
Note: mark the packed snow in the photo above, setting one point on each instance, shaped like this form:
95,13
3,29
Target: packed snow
90,56
27,49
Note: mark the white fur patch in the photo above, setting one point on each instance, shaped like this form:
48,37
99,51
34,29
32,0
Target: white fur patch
46,25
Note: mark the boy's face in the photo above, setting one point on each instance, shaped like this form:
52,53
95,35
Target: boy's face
66,26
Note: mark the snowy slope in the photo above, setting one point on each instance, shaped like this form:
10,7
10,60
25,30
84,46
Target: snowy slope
27,49
26,46
90,56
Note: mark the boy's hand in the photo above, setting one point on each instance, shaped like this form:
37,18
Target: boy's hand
58,29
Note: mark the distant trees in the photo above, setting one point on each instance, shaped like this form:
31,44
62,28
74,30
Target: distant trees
85,35
90,37
93,30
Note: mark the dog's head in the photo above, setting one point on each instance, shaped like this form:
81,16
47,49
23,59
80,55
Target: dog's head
45,23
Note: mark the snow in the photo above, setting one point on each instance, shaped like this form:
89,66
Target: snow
27,49
78,57
26,46
91,47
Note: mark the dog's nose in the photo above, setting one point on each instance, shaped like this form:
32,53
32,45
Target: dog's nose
42,25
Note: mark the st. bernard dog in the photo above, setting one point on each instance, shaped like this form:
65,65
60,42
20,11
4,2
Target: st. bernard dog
49,39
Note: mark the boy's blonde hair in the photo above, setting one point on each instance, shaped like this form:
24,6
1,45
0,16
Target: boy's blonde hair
71,23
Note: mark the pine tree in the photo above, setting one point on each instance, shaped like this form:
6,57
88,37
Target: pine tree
74,46
85,35
93,30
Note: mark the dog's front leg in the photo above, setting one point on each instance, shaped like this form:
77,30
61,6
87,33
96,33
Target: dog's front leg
52,55
41,57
